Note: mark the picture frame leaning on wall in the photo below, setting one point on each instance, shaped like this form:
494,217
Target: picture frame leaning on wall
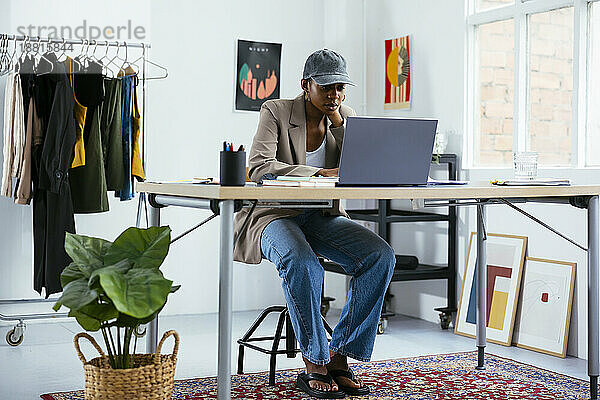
544,309
505,259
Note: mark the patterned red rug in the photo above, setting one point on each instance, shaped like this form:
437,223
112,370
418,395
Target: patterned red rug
440,377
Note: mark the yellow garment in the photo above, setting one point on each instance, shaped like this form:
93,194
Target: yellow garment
79,113
137,168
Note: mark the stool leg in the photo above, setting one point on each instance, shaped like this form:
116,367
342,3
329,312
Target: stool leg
251,330
327,327
275,348
260,319
290,337
240,369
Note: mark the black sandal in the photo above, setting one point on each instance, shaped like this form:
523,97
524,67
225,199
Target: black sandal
304,379
352,391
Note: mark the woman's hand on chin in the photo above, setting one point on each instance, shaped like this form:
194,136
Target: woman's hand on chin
336,118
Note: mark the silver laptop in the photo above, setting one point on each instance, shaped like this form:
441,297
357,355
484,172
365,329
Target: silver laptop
386,151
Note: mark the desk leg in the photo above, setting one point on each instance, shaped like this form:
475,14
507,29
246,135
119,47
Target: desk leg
225,291
152,327
481,287
593,296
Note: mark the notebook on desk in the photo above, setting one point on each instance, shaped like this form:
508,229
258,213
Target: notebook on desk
386,151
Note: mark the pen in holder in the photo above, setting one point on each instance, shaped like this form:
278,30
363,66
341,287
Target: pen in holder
232,170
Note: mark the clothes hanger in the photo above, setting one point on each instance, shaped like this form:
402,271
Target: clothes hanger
105,65
143,57
93,56
126,64
13,60
64,42
4,58
26,50
112,60
42,57
81,58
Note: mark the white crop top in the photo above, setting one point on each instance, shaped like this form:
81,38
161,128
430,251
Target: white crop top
316,158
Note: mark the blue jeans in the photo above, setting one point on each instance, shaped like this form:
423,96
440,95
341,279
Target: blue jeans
292,244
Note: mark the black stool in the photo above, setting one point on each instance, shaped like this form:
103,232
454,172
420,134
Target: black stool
290,339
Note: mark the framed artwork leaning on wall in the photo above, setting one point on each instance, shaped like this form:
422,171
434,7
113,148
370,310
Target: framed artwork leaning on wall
544,310
505,259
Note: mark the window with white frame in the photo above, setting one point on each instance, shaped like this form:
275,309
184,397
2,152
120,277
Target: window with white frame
534,72
593,123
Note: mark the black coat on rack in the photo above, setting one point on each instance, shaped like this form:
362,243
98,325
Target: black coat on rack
52,206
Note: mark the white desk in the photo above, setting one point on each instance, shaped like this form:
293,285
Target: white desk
223,199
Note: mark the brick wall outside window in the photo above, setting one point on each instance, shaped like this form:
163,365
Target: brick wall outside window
550,105
496,92
550,90
593,125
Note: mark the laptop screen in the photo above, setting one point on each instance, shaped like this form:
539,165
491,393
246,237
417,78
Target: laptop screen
386,151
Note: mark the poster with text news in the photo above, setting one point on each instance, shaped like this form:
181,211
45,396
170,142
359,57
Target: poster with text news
257,77
397,73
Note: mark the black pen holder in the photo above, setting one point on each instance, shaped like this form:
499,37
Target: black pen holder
232,169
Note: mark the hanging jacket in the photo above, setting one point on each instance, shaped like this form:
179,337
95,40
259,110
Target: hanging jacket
112,138
14,133
88,182
23,192
127,191
79,113
137,168
52,156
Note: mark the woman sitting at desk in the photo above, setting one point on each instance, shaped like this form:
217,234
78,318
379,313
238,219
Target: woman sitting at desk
303,137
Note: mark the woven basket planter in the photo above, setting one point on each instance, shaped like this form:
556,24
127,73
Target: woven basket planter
152,377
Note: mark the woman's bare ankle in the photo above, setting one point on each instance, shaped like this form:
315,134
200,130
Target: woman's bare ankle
337,361
319,369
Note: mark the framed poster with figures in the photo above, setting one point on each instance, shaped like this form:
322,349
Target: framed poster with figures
505,258
257,74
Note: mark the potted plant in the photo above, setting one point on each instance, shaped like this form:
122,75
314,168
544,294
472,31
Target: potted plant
114,287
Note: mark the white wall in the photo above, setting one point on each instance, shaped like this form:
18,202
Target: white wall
436,31
189,115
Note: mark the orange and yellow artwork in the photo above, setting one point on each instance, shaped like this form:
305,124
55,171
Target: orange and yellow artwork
252,88
397,73
258,72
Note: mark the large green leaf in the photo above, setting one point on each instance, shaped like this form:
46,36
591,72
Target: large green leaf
75,295
125,320
120,267
100,311
85,250
87,323
72,273
92,316
138,293
146,248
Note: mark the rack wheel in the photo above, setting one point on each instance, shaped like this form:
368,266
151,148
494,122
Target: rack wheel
326,304
445,319
140,331
10,338
381,326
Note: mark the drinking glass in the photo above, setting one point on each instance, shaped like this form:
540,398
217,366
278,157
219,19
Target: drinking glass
525,163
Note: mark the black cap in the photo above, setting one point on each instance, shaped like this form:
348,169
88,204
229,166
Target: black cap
326,67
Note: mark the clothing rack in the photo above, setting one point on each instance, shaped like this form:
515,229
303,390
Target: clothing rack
14,337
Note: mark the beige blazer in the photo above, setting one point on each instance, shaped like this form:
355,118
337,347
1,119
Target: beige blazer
279,147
